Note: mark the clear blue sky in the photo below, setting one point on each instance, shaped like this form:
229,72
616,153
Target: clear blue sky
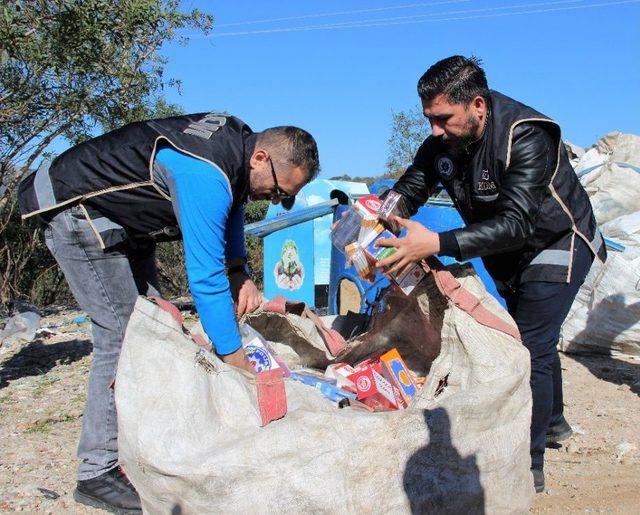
577,64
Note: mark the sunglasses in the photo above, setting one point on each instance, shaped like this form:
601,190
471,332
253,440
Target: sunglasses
278,193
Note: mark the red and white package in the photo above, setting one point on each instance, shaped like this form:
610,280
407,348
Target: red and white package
341,372
368,207
372,388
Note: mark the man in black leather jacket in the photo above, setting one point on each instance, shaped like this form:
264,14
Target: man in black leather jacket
526,214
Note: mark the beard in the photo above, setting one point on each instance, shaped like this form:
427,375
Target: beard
457,145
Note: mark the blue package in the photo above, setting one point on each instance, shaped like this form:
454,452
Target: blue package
327,387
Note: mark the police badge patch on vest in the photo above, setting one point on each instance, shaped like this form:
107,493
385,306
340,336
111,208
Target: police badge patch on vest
445,167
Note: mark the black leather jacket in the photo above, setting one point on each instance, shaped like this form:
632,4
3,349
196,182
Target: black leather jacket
517,193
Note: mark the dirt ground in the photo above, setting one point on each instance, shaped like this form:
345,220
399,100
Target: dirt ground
42,393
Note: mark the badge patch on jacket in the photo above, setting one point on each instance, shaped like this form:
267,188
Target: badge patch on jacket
445,167
485,183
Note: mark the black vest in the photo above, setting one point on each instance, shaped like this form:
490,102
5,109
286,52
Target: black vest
112,176
566,212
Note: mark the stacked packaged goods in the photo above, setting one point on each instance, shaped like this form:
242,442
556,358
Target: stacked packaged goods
360,230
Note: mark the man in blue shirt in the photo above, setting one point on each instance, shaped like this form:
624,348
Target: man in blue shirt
106,202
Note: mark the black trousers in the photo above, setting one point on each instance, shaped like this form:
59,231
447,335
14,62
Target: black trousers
539,308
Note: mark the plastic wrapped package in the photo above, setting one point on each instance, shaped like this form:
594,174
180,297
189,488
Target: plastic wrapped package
393,205
362,217
346,230
258,351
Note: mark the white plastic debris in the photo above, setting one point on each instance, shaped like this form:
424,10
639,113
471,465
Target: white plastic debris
21,326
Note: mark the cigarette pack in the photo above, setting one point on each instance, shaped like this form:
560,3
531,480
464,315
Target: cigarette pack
408,278
378,253
369,234
258,351
341,372
359,260
360,219
346,230
372,388
368,206
327,387
393,205
396,371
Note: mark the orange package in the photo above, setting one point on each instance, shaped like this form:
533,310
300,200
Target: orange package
397,373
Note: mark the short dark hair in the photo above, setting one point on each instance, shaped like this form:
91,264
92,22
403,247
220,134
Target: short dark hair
459,78
292,146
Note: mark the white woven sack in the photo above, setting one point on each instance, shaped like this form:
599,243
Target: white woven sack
605,316
190,438
613,190
610,174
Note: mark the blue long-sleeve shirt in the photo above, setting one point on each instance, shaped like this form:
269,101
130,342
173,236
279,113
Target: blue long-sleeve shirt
202,198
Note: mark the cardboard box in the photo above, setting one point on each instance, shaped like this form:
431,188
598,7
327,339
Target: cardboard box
341,372
368,206
378,253
372,388
396,371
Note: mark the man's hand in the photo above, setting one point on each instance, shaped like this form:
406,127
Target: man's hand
417,244
245,293
238,359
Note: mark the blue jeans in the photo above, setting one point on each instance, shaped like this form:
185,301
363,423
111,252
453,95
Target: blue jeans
539,308
106,284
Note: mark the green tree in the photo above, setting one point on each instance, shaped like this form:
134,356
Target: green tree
170,255
70,69
254,212
408,130
171,268
367,180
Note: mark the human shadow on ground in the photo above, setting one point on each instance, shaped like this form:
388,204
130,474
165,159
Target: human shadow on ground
36,358
602,365
437,479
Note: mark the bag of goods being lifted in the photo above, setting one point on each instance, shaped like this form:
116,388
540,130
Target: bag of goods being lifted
199,436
